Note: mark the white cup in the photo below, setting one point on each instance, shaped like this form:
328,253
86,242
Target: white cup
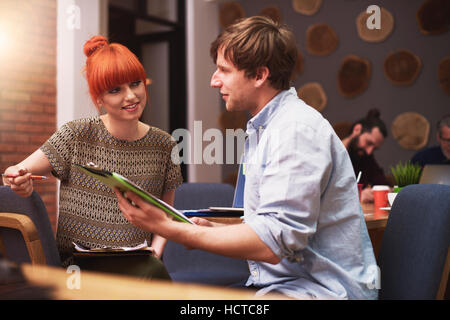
391,197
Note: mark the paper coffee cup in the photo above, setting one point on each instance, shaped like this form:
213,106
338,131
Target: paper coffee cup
380,198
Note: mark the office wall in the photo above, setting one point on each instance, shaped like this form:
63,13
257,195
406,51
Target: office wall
423,96
27,84
203,101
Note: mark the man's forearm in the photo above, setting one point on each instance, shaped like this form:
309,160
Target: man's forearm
236,241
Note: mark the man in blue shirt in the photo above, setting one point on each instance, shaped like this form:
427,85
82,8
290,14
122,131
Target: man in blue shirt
439,154
304,233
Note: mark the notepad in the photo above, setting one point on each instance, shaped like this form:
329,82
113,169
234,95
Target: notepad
115,180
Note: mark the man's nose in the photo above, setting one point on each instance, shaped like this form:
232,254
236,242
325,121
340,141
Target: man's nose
369,150
215,81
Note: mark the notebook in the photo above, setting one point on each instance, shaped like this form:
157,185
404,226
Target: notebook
435,174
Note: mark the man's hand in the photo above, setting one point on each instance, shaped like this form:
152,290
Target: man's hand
142,214
367,195
202,222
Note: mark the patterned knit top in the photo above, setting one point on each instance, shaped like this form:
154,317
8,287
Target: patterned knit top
88,210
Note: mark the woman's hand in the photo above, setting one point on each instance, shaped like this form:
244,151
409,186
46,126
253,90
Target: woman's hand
22,184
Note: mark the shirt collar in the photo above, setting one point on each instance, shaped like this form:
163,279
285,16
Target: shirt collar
262,118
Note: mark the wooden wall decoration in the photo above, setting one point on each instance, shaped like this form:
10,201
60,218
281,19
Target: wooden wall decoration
342,129
229,13
375,35
411,130
307,7
312,94
433,16
353,75
444,74
298,69
321,39
402,67
272,12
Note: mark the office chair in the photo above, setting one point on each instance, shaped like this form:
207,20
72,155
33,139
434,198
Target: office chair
200,266
414,259
26,235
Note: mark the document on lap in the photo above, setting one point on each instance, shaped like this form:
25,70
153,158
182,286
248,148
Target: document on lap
141,247
115,180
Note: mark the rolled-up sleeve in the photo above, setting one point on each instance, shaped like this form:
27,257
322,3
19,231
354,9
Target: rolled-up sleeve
289,182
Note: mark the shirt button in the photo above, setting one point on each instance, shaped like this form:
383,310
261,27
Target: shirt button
255,273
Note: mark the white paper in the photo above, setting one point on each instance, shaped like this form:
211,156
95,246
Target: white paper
142,246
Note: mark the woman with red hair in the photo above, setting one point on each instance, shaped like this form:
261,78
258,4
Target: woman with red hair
115,140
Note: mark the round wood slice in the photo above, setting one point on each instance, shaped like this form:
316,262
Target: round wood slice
375,35
353,76
411,130
444,74
321,39
342,129
433,16
306,7
298,69
272,12
312,94
229,13
402,67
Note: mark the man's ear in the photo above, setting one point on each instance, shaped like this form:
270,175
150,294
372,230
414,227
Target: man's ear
262,73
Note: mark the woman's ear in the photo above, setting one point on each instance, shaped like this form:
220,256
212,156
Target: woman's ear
99,106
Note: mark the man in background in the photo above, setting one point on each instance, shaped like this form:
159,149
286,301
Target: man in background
366,136
438,154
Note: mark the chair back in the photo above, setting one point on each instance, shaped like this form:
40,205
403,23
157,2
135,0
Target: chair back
200,266
26,234
203,195
414,257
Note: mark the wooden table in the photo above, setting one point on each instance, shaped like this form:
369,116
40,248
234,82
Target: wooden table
376,220
95,286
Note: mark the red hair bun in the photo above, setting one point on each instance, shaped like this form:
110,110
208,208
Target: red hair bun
96,42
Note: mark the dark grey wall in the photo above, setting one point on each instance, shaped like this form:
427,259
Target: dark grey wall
424,95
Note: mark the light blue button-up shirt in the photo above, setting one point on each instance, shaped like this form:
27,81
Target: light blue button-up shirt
301,199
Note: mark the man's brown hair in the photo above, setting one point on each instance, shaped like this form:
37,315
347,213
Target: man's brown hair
257,42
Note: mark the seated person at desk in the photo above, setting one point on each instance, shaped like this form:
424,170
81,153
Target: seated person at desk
304,233
115,141
439,154
367,135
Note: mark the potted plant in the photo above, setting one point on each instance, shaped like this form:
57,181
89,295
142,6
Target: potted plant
404,174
